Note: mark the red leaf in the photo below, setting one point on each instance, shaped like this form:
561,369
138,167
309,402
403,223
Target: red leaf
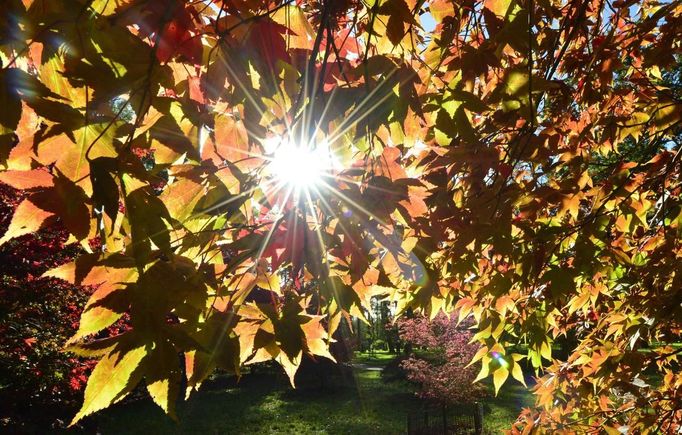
266,38
178,38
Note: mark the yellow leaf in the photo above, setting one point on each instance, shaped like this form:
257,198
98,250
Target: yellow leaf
97,315
666,115
181,196
293,18
499,376
571,204
314,335
437,304
485,369
290,365
113,378
498,7
546,350
268,281
634,126
440,9
72,156
163,377
487,332
517,373
578,302
503,304
481,352
95,319
27,218
109,7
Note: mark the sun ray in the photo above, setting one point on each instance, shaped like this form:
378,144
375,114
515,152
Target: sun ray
271,231
244,89
349,120
354,204
316,222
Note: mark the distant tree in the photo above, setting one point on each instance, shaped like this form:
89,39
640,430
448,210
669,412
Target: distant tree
39,382
439,362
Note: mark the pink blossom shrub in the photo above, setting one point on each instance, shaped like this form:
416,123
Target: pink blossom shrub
440,353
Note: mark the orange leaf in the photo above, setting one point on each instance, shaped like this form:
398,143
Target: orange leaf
27,179
27,218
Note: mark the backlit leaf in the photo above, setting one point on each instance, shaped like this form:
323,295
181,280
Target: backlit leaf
114,376
27,218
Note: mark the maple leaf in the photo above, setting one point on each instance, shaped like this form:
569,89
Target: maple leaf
266,38
491,162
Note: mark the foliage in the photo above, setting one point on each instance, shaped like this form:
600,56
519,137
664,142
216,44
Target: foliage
443,373
463,179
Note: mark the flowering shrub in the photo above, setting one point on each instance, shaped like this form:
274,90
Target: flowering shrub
37,316
441,351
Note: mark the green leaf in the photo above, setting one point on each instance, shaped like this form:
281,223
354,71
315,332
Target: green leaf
516,83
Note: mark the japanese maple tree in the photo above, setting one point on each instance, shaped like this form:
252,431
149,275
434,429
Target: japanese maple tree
515,160
441,367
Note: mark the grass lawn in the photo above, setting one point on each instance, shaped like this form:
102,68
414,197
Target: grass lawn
265,404
501,411
379,358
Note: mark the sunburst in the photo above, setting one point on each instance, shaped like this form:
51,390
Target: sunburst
299,165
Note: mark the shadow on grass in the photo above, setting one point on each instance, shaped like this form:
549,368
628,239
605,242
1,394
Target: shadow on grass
501,411
264,403
355,401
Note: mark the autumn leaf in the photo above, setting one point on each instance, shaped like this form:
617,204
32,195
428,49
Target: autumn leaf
514,165
499,376
266,37
163,377
498,7
27,179
69,202
114,376
27,218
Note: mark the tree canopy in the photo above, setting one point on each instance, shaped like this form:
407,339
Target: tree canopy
256,171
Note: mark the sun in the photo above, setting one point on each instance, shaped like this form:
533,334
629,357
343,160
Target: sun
299,166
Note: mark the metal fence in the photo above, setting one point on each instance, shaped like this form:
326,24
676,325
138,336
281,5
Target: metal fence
457,419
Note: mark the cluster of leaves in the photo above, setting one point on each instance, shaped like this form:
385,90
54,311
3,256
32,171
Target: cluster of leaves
483,171
37,316
441,368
